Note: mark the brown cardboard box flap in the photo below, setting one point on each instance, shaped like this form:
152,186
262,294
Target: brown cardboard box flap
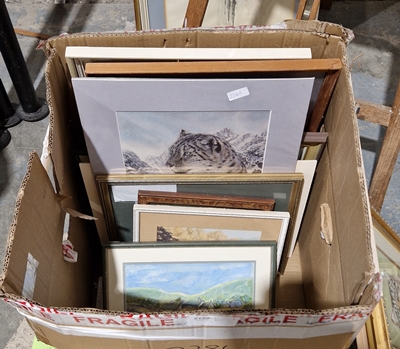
34,267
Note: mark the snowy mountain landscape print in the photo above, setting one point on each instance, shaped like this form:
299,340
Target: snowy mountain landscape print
193,142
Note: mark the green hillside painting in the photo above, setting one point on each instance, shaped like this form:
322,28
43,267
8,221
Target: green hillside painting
188,286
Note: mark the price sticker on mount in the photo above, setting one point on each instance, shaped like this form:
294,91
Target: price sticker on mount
241,92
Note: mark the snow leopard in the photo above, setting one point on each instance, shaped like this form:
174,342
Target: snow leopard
201,152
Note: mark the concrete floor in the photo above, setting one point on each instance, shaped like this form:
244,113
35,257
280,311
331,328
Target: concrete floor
373,57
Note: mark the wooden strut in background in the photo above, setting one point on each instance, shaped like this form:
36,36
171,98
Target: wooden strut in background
138,21
197,8
195,13
302,10
389,117
24,32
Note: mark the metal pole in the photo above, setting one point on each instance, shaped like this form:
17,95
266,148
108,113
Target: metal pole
32,109
8,117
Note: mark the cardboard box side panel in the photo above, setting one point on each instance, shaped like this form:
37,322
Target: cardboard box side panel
36,231
350,193
44,277
61,341
66,135
80,276
320,27
65,146
289,286
320,261
196,38
56,104
315,42
94,199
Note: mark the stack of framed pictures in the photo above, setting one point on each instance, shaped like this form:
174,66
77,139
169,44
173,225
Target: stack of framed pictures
197,170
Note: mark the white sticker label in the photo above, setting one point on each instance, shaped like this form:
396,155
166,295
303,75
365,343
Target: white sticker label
281,196
30,277
130,192
242,92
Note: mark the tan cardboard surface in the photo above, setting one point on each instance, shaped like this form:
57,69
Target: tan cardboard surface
68,342
36,203
38,230
290,285
320,261
348,186
94,200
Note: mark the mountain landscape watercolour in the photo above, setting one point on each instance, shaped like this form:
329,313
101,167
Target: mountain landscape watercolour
188,286
190,276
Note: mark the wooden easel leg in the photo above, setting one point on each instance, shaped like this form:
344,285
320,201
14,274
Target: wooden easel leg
300,9
195,13
387,158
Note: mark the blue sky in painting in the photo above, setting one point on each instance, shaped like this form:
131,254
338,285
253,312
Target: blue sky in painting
188,278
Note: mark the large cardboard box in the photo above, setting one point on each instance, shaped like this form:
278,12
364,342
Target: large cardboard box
322,300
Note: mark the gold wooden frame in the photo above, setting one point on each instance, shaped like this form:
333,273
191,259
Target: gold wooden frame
296,180
377,326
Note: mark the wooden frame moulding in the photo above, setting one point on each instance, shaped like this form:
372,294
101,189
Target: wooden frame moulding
332,67
202,67
204,200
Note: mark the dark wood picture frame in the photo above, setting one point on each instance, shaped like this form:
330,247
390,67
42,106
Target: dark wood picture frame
204,200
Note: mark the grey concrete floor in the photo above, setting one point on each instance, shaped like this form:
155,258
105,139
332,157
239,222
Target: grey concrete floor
374,57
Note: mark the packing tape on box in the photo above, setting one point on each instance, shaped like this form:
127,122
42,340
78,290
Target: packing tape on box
30,277
191,326
192,333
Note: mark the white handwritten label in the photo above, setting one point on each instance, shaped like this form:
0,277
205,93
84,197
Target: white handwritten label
241,92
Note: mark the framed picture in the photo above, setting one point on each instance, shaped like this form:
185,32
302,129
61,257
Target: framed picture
189,277
163,223
307,168
119,193
192,126
160,14
313,145
149,14
148,197
220,13
324,71
77,57
383,326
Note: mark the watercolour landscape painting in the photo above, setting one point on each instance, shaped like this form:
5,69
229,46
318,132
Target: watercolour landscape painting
189,286
165,234
193,142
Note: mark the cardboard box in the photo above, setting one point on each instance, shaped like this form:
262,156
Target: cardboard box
327,291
